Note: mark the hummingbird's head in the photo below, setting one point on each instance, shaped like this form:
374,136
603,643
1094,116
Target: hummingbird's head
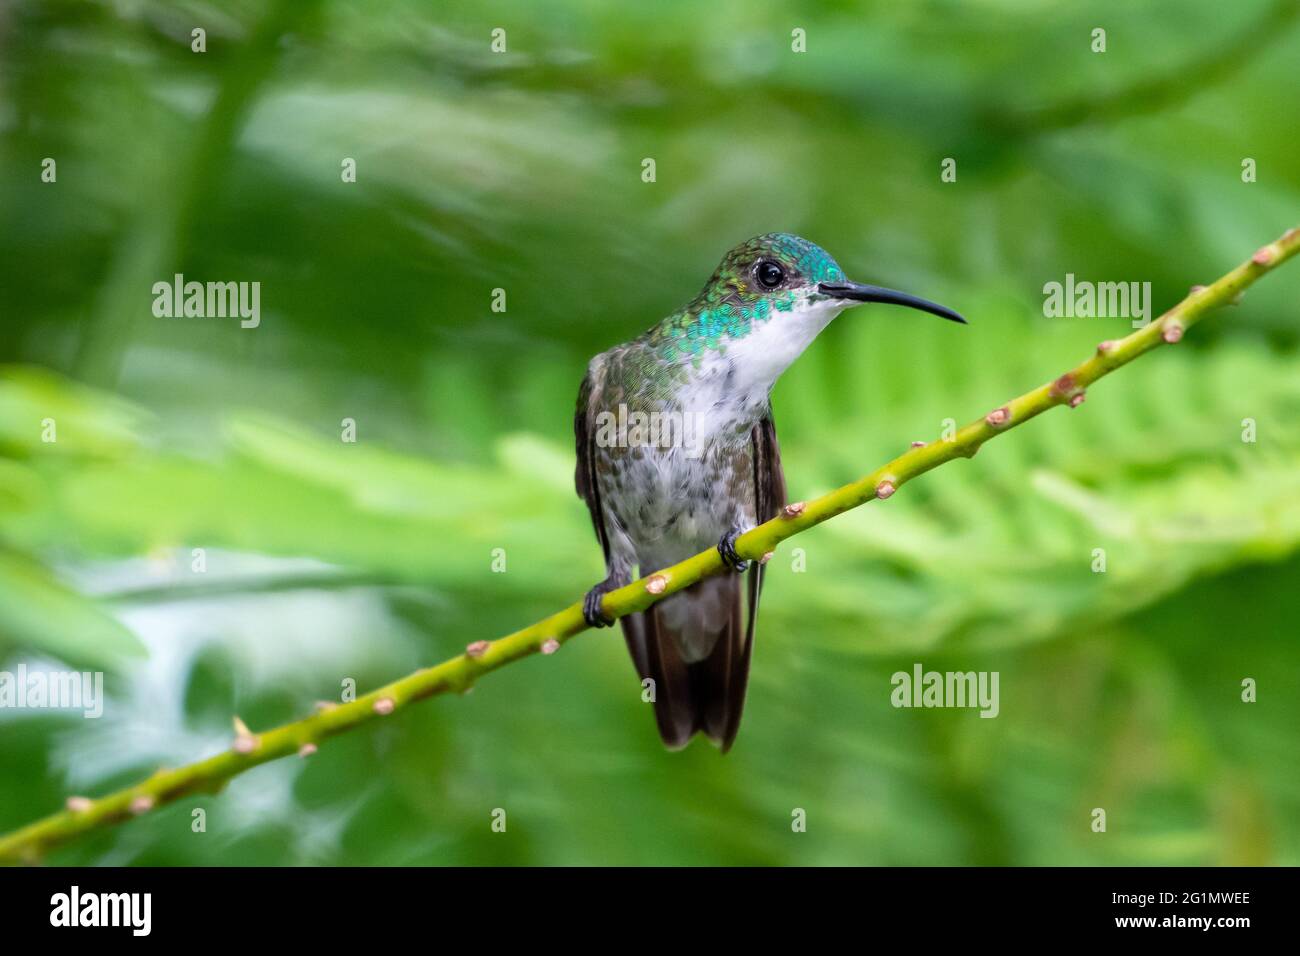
790,274
767,300
768,274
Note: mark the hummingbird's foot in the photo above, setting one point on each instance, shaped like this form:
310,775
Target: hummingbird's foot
727,548
591,612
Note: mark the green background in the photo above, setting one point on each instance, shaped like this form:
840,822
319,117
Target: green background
522,171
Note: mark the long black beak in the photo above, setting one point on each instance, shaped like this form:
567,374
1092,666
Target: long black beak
874,293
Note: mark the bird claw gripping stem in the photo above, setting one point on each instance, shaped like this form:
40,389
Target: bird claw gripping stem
727,548
591,612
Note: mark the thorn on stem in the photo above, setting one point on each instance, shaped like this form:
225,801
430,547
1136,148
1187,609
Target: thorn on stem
323,705
918,444
656,584
550,646
245,739
1064,385
78,804
1172,333
1195,289
385,706
307,749
477,649
1106,346
1077,399
767,556
794,509
998,417
1263,256
142,804
885,489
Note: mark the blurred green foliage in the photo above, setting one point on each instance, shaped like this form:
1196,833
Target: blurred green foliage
521,170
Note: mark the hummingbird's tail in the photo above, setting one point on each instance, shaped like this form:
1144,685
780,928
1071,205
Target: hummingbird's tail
696,646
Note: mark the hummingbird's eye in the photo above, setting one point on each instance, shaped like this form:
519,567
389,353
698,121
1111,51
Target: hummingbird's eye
770,275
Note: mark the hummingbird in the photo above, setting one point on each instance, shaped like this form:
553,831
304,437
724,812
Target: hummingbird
677,453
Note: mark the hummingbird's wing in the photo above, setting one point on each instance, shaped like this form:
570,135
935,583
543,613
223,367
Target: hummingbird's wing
769,494
584,477
769,480
732,677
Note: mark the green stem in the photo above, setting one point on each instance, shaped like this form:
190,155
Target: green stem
459,674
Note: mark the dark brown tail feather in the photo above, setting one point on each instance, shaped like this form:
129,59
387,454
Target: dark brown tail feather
707,696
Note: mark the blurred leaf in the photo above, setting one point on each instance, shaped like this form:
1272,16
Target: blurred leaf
37,404
39,613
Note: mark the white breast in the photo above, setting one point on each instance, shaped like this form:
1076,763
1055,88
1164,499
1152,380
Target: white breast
732,386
